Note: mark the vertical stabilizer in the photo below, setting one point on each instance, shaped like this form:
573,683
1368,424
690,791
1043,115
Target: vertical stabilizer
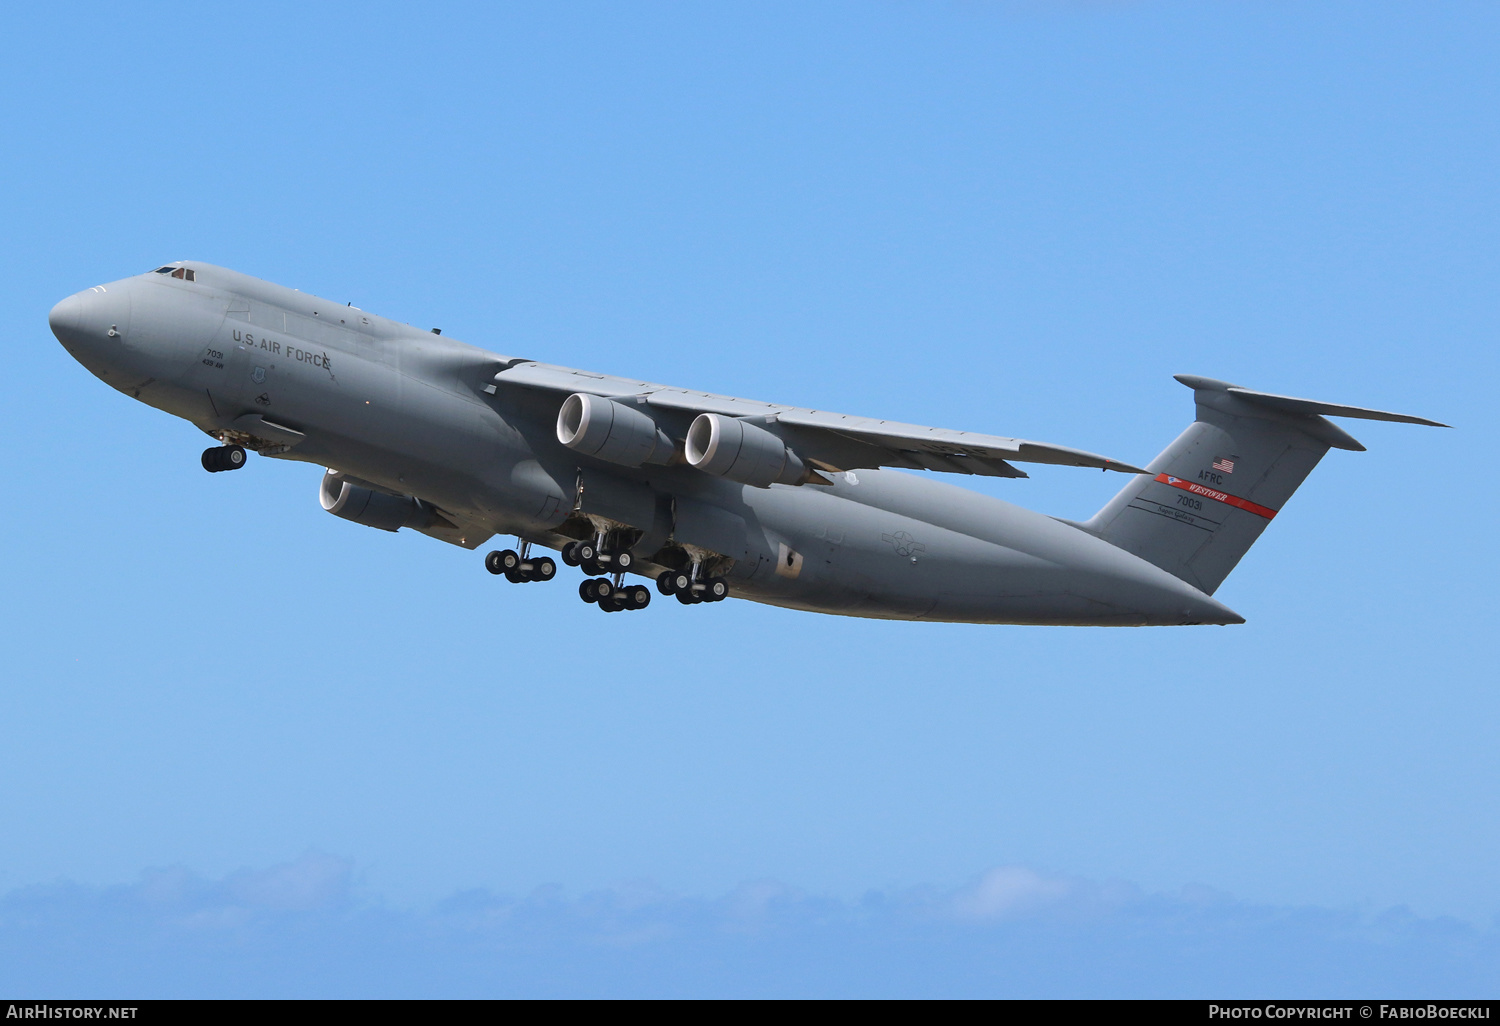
1210,494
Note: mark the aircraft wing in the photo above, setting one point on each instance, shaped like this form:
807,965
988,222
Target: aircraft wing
828,441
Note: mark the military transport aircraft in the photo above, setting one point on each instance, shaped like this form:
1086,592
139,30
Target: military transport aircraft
712,496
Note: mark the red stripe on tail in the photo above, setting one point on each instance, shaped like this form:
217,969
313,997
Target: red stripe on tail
1217,496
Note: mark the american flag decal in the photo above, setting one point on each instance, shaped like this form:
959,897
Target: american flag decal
1225,464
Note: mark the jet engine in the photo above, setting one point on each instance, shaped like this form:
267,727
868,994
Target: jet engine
736,449
611,431
342,497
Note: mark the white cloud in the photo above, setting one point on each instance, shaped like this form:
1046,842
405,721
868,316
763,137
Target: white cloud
315,880
1009,891
302,930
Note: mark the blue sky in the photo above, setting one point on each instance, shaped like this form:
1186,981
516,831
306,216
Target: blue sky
1015,218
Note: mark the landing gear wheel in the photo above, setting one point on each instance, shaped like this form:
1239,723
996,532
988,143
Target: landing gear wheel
623,560
584,552
604,588
640,596
543,569
687,598
670,582
589,590
223,457
503,561
568,553
517,576
591,568
718,590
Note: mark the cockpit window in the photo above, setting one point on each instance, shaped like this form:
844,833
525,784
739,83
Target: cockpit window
185,273
165,270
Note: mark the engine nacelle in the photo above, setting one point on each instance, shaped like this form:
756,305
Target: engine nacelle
380,510
611,431
736,449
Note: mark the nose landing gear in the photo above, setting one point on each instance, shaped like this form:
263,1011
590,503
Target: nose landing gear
223,457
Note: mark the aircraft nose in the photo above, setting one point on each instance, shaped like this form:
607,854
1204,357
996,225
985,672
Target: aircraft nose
95,321
64,318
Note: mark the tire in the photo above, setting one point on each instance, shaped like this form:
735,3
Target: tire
718,590
567,554
604,588
591,568
640,596
492,563
666,582
543,569
623,560
584,552
223,457
687,598
588,590
517,576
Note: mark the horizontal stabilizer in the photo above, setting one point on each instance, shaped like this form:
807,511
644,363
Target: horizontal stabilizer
1289,404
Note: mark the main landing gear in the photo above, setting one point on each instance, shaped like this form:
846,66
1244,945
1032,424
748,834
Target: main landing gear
595,557
691,587
518,568
606,565
223,457
612,596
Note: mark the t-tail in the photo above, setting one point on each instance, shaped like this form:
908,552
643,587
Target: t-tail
1211,493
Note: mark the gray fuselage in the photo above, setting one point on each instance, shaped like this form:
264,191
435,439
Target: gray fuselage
413,413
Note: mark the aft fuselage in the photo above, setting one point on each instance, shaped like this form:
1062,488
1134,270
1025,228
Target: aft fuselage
419,414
